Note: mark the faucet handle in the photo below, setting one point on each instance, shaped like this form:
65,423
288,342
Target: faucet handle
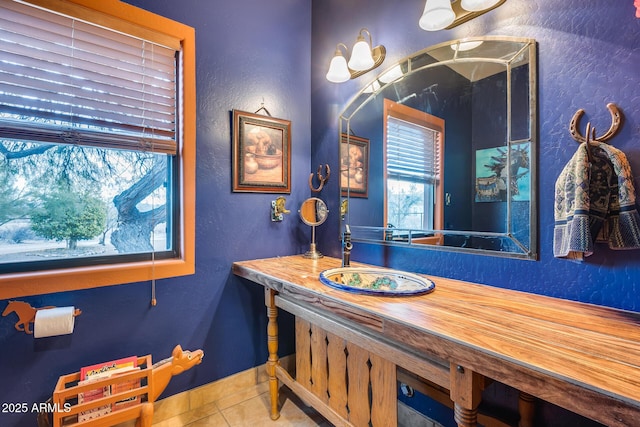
347,245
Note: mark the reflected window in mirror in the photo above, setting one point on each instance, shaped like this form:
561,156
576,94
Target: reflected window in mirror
413,149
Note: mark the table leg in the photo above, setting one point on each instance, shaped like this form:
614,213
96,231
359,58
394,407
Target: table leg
466,393
526,407
272,346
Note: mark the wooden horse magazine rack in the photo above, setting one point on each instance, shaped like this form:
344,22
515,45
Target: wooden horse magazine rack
124,395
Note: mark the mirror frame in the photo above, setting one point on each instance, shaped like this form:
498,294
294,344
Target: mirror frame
415,63
303,211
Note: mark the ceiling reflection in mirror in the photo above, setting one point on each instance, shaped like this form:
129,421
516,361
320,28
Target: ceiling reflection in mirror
439,151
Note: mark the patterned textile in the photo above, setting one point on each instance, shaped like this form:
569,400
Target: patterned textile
595,203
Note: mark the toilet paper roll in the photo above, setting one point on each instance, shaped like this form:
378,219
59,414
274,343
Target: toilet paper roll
53,321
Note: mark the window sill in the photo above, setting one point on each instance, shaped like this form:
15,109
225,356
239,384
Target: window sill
24,284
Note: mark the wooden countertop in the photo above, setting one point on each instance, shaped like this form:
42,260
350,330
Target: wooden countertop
583,357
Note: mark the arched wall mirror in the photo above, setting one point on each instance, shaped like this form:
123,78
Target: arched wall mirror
439,151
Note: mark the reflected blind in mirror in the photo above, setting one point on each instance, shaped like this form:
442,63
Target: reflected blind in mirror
412,151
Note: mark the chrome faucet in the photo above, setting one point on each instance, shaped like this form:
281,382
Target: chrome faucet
346,246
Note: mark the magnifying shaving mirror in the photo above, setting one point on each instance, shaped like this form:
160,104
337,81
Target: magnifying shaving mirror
313,212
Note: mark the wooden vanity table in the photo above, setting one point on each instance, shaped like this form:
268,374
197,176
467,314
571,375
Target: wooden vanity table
351,349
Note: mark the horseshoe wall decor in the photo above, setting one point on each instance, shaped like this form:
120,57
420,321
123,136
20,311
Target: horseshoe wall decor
321,178
616,119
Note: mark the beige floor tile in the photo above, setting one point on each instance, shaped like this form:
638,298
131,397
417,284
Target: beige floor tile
187,418
215,420
255,412
223,388
249,393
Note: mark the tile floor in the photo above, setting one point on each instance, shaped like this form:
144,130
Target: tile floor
249,408
242,400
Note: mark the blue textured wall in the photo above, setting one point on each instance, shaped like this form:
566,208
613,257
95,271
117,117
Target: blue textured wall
588,55
247,52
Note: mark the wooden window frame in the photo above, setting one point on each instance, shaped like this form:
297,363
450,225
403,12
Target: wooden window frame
133,20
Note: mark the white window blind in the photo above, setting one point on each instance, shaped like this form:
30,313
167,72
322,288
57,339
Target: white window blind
67,81
412,151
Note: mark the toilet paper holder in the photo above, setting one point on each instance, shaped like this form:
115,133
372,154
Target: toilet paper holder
27,314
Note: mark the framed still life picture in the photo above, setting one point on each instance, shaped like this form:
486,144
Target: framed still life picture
354,167
261,154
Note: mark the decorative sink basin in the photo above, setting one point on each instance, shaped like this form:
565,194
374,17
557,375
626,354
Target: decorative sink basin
376,281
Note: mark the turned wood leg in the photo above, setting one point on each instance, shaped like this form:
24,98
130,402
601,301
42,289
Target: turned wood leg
526,408
465,417
146,415
272,346
466,393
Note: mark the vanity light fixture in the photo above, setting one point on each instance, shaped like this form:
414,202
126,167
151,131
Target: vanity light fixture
446,14
363,59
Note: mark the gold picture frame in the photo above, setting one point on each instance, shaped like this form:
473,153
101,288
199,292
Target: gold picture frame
354,170
261,158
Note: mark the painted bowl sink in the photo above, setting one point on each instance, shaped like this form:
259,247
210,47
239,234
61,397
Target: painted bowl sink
376,281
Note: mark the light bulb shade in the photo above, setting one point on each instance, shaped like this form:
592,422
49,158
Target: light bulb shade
372,87
361,57
477,5
338,70
437,15
391,75
465,46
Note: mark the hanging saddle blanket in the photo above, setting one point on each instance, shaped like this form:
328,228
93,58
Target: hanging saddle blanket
595,202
